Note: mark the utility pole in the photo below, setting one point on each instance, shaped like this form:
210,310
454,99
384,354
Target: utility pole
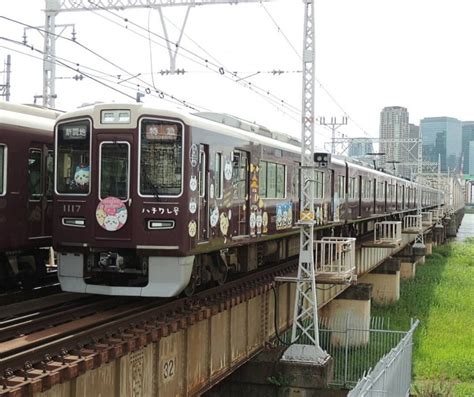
333,126
305,315
5,88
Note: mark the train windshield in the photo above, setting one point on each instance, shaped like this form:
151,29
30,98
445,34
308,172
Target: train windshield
161,158
2,170
73,158
114,169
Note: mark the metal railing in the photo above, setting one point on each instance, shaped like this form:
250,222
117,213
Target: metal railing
437,214
388,232
427,218
357,346
412,223
335,256
392,375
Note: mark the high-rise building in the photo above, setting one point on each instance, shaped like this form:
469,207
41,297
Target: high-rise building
394,129
442,136
359,147
467,147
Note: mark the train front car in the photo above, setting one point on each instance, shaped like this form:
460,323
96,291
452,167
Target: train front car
118,202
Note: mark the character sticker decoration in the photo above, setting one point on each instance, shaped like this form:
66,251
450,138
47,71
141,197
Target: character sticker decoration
284,215
224,224
214,216
252,221
228,170
193,155
111,214
259,221
193,183
81,177
192,228
192,205
265,222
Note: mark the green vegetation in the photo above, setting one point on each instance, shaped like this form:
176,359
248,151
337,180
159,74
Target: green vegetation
442,298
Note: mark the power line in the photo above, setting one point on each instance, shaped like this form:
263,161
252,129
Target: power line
160,93
333,99
220,69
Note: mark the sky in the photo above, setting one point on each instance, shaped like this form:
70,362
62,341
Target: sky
369,54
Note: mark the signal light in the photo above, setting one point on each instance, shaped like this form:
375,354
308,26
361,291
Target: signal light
321,160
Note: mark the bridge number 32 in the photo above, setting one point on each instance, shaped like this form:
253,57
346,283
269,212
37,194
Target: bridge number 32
168,369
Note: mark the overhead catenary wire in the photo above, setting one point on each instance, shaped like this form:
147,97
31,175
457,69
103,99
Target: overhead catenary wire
217,68
147,87
96,78
331,97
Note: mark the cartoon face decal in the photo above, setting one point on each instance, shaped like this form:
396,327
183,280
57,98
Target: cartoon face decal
224,224
214,218
228,170
193,183
100,216
192,228
122,215
259,220
111,223
253,220
193,155
192,206
81,176
111,214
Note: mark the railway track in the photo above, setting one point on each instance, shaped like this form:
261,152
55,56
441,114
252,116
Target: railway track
37,352
48,286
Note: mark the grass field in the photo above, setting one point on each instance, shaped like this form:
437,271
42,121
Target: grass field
442,298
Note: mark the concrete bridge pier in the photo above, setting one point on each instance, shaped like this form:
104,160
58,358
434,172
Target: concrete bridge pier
429,243
452,226
438,234
385,281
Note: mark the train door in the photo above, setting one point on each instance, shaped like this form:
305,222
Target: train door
112,211
240,183
37,198
361,195
204,186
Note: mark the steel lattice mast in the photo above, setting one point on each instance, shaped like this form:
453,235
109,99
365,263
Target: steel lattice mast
419,243
54,7
305,316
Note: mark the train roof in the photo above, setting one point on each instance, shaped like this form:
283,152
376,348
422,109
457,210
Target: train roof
219,123
28,116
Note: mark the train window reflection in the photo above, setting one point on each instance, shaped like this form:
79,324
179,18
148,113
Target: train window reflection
73,158
34,174
161,158
3,169
114,170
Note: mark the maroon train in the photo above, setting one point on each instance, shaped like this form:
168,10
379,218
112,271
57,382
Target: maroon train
151,201
26,192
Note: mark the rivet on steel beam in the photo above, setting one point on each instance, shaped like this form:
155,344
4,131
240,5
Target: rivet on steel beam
43,366
4,383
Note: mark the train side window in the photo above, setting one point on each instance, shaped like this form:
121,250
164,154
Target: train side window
319,188
271,180
218,180
202,174
280,183
3,170
240,174
262,174
35,174
341,186
352,188
49,174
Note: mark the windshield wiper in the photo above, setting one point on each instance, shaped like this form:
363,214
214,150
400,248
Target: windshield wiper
148,181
